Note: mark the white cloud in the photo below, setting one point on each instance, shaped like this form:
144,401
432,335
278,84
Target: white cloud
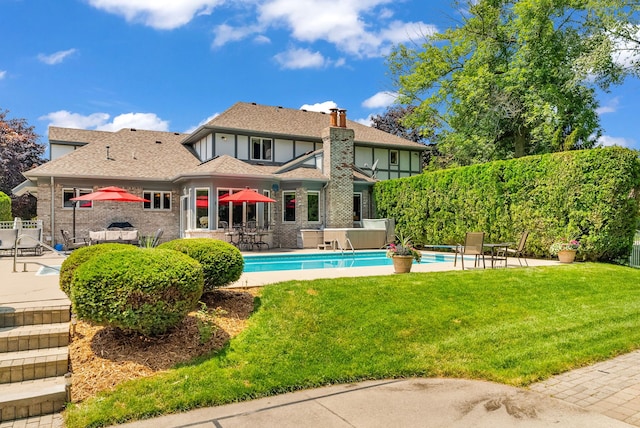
3,74
147,121
56,57
355,27
320,107
607,140
380,100
366,121
100,121
261,39
204,122
300,58
158,14
224,34
66,119
610,107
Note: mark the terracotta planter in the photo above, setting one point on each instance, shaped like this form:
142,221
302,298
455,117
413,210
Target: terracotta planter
566,256
402,264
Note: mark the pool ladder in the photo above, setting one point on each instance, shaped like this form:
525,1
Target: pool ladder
348,241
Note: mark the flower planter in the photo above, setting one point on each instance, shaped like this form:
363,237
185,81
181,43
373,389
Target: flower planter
566,256
402,264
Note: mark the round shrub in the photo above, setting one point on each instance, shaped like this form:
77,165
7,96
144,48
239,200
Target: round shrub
147,291
5,207
79,256
222,263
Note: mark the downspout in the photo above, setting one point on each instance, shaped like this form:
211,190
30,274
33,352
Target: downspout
324,204
53,211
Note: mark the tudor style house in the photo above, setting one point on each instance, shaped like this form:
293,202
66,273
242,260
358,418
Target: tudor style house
319,168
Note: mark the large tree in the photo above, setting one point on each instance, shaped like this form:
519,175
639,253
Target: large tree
505,82
19,152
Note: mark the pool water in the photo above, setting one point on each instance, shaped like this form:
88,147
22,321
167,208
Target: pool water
333,260
48,270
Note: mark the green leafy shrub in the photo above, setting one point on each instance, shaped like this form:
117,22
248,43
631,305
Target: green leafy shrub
222,263
147,291
591,195
79,256
5,207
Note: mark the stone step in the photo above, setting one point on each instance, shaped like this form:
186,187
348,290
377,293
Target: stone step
32,398
28,337
33,364
33,313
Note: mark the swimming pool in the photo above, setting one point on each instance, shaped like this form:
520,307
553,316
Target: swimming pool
333,260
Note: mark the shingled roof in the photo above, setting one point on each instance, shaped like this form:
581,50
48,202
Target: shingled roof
72,135
132,154
300,124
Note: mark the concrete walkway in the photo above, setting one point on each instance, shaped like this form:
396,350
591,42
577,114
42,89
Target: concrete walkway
603,395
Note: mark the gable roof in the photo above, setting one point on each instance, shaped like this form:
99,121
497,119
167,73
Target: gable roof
300,124
131,154
76,136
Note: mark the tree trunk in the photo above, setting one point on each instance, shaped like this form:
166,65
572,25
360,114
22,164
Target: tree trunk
520,143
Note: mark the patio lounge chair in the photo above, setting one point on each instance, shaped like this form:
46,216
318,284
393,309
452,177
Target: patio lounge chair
8,239
71,243
518,252
473,245
29,240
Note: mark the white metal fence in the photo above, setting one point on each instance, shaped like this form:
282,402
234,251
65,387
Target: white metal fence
634,259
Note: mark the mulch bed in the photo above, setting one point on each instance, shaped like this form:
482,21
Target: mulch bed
103,357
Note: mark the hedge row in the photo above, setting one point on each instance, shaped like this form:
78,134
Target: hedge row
591,195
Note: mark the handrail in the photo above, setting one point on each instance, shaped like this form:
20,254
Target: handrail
24,267
353,251
337,241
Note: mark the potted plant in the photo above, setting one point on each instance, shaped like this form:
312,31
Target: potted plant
566,249
403,254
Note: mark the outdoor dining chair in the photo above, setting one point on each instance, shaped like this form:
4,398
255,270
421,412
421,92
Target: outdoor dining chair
518,252
473,245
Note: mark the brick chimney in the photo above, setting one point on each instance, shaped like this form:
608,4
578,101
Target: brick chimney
337,142
333,117
342,115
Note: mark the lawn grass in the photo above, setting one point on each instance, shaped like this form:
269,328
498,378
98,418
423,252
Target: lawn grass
513,326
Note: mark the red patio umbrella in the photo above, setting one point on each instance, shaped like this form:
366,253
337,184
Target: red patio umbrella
110,193
245,195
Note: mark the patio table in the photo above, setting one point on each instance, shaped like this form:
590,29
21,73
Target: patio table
498,252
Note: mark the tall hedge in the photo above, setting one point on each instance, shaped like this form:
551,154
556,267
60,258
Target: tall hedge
591,195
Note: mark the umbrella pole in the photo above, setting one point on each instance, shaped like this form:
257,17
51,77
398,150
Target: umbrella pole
75,204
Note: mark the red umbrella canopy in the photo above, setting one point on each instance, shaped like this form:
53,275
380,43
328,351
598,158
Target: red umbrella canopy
110,193
245,195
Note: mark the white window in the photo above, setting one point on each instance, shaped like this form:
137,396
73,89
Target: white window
261,148
202,208
67,194
393,157
313,207
289,208
158,200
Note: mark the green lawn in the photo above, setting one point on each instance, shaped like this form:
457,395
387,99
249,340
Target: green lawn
513,326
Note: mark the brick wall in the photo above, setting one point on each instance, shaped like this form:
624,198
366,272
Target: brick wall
104,213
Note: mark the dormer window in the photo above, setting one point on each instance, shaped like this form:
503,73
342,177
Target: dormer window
261,148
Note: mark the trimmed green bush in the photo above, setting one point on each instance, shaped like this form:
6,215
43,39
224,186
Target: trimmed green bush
79,256
589,195
147,291
222,263
5,207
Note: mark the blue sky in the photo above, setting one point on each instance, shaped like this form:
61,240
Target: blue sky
172,65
